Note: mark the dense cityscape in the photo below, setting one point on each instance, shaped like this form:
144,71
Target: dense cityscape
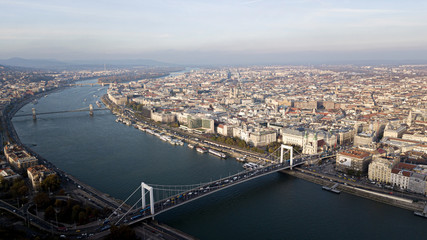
361,127
243,119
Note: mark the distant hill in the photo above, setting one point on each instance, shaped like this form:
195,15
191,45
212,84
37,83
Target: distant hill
33,63
57,65
126,62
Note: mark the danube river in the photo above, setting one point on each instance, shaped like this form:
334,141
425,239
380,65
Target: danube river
115,158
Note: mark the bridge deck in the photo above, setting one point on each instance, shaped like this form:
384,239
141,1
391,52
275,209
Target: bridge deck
207,189
66,111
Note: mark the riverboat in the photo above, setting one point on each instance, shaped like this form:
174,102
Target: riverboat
333,190
216,153
201,150
150,131
165,138
420,214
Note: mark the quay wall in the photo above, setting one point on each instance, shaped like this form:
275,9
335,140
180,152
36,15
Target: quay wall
357,191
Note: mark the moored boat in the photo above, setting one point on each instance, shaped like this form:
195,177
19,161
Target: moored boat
216,153
201,150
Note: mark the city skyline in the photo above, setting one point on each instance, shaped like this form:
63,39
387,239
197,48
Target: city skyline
220,32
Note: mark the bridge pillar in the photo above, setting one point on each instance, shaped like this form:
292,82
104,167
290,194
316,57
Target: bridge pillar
291,160
145,187
34,114
91,110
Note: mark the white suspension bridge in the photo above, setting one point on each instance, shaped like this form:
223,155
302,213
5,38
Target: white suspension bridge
155,199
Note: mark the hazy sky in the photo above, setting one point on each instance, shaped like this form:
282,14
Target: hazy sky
214,31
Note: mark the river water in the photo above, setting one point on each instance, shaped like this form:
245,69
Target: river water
115,158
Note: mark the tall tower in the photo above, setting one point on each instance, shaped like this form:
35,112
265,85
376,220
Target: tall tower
305,138
409,120
315,144
305,143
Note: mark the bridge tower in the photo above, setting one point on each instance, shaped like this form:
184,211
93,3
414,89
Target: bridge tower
91,110
291,149
34,114
145,187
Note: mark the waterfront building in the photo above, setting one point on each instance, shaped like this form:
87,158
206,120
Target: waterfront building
257,137
292,136
309,138
163,117
417,183
117,98
37,174
206,124
182,118
354,159
18,157
400,175
9,174
261,138
380,168
225,129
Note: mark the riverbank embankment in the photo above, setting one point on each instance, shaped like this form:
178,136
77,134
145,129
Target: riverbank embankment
382,197
189,138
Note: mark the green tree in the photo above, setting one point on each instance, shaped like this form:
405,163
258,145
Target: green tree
49,213
4,184
42,200
58,203
75,213
229,141
18,188
51,182
82,217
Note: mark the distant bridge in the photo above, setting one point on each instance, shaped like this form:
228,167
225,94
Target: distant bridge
89,109
88,84
172,196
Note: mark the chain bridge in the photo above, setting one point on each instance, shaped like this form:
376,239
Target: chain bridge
89,109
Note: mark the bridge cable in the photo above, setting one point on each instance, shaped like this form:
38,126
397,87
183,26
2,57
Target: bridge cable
140,199
125,201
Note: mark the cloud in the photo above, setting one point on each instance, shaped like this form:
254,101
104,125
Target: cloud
250,2
358,10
